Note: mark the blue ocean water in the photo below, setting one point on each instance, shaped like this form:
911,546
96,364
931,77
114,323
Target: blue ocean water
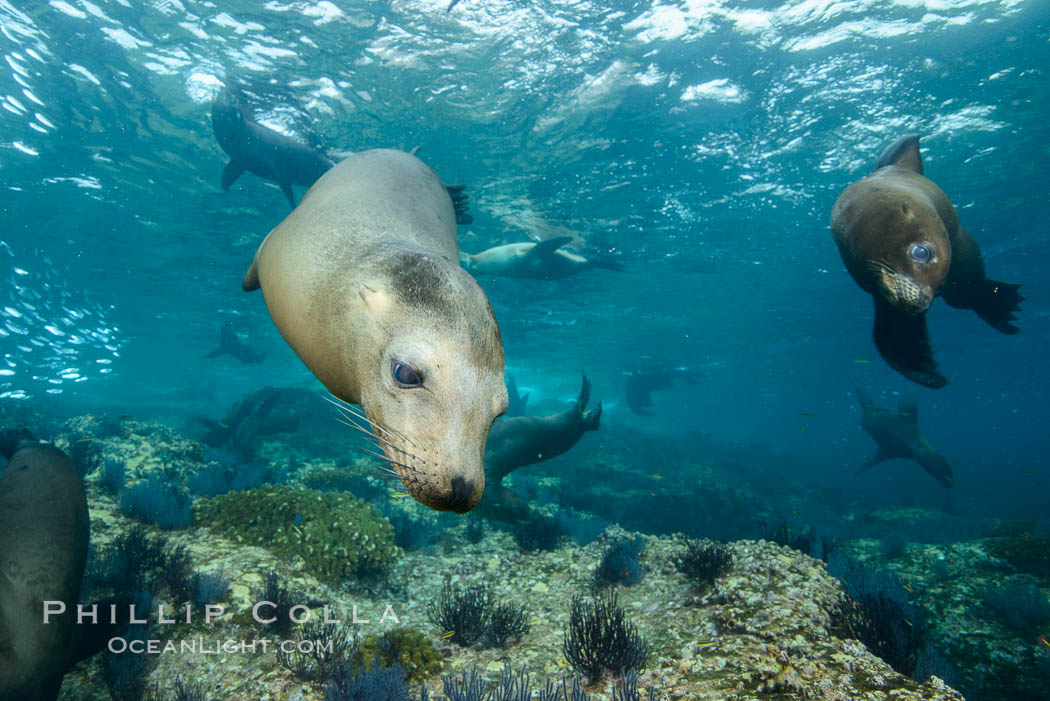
699,143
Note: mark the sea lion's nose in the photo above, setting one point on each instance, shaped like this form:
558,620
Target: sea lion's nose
462,495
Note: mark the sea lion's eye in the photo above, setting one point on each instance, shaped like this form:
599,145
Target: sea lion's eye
921,253
405,375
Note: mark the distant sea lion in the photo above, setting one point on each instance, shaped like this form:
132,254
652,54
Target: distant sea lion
897,434
640,386
516,441
43,550
261,150
362,281
546,260
901,240
231,343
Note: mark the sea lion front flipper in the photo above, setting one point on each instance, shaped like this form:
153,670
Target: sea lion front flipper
250,283
995,302
233,170
460,203
903,153
542,249
880,456
903,341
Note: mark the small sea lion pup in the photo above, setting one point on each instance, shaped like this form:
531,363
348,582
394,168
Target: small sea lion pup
901,240
363,281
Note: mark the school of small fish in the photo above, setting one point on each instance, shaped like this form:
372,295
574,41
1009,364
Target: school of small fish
51,337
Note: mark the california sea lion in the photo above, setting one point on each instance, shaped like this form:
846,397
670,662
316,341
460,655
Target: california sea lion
43,550
362,281
230,342
897,435
516,441
640,386
261,150
546,260
901,240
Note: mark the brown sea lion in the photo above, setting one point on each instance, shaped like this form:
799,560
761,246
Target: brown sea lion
260,150
897,434
43,551
363,282
901,240
516,441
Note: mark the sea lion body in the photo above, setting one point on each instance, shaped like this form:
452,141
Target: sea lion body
516,441
545,260
897,435
260,150
362,281
900,239
231,343
43,551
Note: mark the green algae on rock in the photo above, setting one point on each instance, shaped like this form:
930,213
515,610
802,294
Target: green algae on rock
336,534
407,647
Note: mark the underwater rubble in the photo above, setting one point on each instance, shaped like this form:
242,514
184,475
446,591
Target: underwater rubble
760,628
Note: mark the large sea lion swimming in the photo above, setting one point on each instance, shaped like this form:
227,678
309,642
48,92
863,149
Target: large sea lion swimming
363,282
43,550
897,434
261,150
546,260
901,240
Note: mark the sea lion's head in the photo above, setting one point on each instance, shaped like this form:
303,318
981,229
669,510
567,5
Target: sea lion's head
436,384
910,257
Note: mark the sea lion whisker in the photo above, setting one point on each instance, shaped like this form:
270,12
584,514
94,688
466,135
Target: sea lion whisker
385,457
376,426
376,440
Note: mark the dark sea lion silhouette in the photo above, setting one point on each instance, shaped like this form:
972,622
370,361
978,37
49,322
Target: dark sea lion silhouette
261,150
545,260
897,434
516,441
901,240
43,551
518,401
641,385
231,343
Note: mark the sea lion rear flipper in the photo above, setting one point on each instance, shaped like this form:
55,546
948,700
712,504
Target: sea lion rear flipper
903,341
286,188
215,353
585,393
460,203
903,153
233,170
542,249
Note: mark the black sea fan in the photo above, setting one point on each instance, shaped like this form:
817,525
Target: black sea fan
703,563
600,638
465,613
